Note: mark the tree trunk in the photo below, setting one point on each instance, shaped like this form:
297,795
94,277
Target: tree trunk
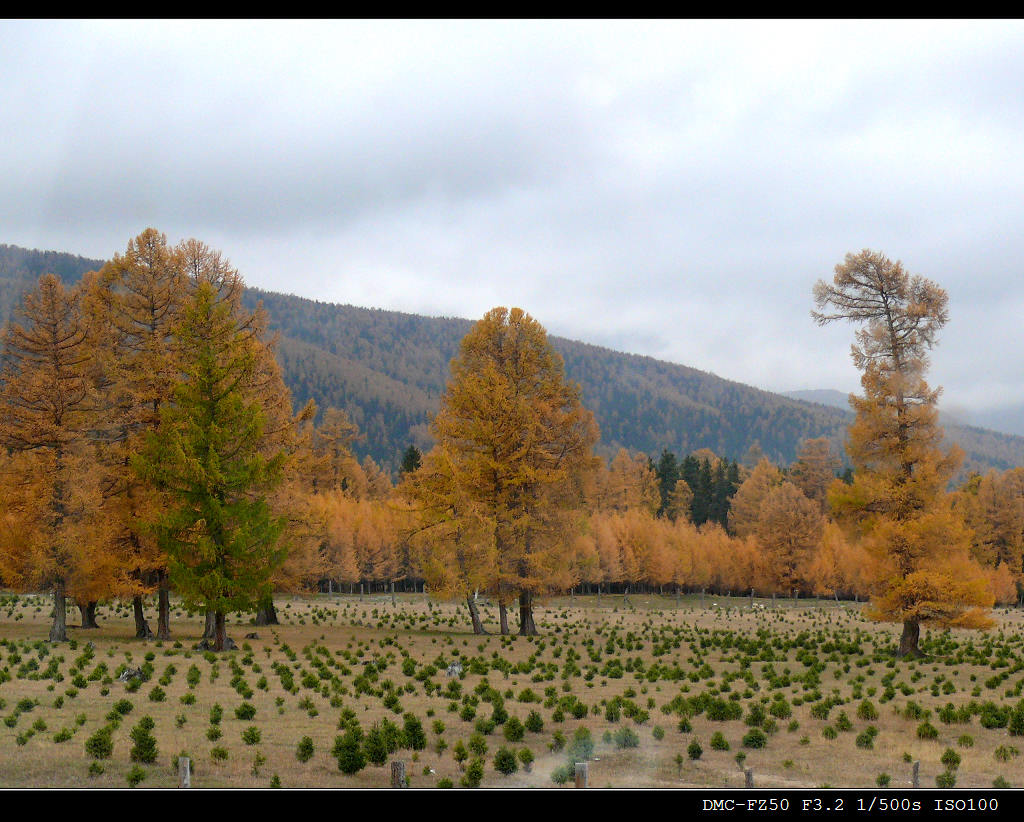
142,629
220,636
393,601
163,608
59,629
88,610
909,640
526,624
478,627
210,629
266,613
503,618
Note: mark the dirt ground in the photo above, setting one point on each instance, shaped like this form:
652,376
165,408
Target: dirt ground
649,657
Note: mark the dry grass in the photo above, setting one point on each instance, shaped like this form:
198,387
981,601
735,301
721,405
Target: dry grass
425,631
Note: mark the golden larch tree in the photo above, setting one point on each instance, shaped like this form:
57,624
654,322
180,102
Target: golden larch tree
923,572
517,437
49,421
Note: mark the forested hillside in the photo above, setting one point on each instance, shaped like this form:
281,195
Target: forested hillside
388,370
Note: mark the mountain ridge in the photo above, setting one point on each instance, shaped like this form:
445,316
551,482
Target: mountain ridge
388,369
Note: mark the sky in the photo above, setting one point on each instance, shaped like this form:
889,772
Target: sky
667,188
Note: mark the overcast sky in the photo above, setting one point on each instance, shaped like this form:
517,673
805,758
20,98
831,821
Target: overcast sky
671,189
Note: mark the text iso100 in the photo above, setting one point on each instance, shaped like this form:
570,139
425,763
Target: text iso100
967,804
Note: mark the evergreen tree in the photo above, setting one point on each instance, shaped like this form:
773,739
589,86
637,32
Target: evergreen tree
411,460
221,539
668,472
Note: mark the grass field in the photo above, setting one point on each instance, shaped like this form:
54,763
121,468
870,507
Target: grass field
809,694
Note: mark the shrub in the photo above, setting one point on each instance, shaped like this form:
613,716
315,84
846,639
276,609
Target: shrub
245,711
135,776
63,735
1000,782
101,744
534,723
1005,753
946,780
474,774
251,735
375,746
514,730
525,756
477,744
349,753
719,742
927,731
867,710
883,780
756,738
123,707
415,737
562,774
966,741
1016,721
694,750
144,749
581,748
505,762
626,737
218,754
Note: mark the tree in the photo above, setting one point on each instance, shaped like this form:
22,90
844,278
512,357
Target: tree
136,300
453,539
49,413
518,441
221,538
668,472
815,469
789,532
746,504
924,573
411,460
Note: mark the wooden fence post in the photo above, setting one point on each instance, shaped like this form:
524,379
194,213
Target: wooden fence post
184,772
398,774
581,774
748,778
917,774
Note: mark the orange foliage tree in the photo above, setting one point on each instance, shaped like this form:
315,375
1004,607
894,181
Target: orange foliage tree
923,571
517,439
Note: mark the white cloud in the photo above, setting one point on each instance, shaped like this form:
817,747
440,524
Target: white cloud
672,189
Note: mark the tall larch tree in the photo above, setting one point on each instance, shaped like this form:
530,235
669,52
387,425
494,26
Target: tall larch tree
136,300
210,457
451,534
518,438
924,574
815,469
49,418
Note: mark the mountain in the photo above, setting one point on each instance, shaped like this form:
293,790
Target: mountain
822,396
388,370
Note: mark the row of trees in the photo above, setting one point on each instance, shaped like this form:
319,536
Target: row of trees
149,438
150,443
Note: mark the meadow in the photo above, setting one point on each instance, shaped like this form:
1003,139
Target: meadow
656,692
